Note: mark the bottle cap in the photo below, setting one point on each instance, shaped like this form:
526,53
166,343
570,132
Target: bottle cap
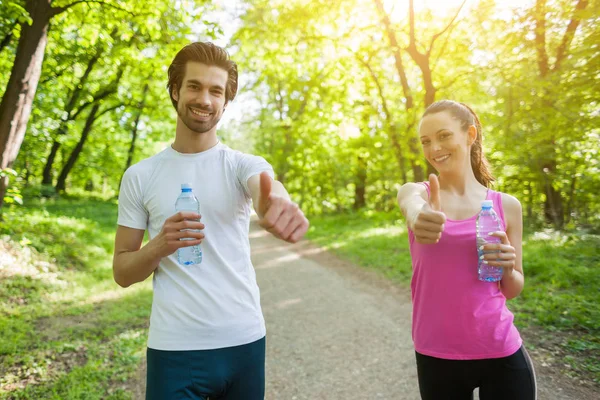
186,186
487,204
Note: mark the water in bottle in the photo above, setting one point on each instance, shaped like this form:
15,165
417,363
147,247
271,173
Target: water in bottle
188,202
487,222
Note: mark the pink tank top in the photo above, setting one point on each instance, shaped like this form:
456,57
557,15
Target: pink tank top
456,316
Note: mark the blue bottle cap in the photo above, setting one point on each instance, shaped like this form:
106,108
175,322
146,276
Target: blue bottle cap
186,186
487,204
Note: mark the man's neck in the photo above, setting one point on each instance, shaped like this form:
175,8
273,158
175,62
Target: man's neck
187,141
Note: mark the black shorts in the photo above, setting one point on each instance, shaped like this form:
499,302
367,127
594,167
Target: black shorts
506,378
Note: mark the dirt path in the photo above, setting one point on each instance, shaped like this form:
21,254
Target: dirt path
338,331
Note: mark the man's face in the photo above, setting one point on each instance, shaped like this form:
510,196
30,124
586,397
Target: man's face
201,97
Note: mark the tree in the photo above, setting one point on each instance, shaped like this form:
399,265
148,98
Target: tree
110,89
15,107
84,46
72,110
553,206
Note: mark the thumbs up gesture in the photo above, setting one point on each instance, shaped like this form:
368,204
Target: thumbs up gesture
428,224
279,215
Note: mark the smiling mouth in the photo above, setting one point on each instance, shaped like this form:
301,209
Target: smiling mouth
199,113
442,158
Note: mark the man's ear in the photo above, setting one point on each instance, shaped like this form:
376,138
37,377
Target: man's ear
175,93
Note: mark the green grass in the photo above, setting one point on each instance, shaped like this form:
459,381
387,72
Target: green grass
372,240
68,331
562,289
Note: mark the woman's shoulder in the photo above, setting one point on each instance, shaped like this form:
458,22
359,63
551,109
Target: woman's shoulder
510,204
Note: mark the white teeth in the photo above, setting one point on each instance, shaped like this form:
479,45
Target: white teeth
199,113
442,158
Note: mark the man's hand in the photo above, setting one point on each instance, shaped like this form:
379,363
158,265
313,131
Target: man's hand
428,223
279,215
133,263
177,228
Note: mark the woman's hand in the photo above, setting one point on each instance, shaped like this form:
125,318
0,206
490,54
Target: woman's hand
428,223
501,255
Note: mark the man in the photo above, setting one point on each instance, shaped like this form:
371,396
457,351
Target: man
207,332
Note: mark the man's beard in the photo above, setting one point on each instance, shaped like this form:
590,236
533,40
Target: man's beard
195,125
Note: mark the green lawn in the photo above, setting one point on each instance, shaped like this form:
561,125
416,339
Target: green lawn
68,331
561,299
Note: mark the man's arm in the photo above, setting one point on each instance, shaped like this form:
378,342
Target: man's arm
276,212
277,189
133,263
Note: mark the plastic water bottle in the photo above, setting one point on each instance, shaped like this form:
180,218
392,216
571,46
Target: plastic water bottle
487,222
188,202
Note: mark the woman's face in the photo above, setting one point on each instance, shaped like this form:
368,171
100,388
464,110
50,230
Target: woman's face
446,144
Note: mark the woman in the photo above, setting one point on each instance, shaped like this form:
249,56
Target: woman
463,333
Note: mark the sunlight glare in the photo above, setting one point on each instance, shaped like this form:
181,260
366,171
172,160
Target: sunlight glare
399,9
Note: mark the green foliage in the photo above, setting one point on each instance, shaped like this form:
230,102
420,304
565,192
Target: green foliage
15,11
332,116
13,194
89,332
115,56
327,106
562,277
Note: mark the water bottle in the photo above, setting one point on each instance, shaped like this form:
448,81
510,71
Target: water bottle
188,202
487,222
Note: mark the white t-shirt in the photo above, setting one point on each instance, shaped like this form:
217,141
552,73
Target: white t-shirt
214,304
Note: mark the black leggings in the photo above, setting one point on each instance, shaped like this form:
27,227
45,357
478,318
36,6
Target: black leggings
507,378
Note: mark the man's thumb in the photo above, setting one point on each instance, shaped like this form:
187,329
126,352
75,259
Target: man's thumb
265,189
434,193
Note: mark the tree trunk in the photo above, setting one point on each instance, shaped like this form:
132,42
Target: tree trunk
409,104
418,173
423,59
61,183
133,139
70,115
17,100
553,206
571,201
135,127
92,117
395,139
393,132
47,174
27,172
530,201
361,184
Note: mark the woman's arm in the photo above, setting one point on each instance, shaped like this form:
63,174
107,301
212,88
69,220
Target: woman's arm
511,258
411,199
423,215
